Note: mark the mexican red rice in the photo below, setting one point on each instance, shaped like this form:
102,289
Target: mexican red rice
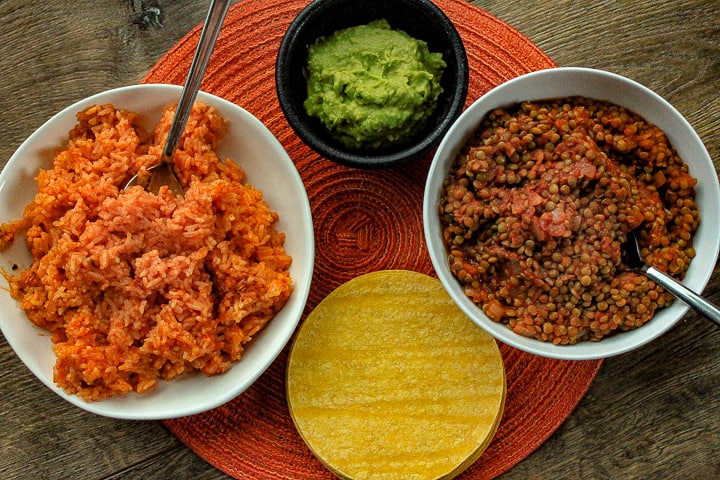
136,287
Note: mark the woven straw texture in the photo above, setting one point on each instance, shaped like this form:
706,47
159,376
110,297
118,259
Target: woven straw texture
364,221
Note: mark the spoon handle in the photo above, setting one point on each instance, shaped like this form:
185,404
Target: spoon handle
699,304
211,29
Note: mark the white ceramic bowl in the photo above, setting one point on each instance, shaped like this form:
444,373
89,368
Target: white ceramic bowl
268,168
600,85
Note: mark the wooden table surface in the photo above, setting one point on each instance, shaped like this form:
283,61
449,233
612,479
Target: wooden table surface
653,413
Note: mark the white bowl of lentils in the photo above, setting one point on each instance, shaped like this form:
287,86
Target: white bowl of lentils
532,193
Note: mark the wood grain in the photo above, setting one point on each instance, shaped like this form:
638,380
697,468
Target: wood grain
652,413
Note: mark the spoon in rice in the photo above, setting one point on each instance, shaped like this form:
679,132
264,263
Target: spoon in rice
163,173
633,259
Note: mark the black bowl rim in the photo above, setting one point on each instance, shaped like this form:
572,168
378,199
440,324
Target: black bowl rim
351,159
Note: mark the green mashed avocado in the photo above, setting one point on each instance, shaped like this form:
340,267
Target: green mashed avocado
372,86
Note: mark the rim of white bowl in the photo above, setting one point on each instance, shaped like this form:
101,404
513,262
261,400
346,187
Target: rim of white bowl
601,85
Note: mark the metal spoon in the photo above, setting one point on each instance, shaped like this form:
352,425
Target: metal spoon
162,173
633,259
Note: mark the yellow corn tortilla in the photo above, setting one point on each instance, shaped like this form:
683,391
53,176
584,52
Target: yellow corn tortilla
388,379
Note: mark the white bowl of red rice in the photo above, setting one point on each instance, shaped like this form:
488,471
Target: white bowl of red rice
532,192
251,257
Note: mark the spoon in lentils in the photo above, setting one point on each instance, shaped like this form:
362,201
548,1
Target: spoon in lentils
163,173
633,259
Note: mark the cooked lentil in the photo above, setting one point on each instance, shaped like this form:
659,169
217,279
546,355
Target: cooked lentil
538,203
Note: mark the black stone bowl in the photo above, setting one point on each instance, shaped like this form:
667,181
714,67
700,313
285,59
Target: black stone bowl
420,19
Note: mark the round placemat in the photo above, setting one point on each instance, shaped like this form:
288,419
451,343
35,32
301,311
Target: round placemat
365,220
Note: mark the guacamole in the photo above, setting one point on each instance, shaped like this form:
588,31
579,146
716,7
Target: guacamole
372,86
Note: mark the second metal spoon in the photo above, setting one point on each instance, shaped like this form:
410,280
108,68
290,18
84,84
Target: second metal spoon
163,173
633,259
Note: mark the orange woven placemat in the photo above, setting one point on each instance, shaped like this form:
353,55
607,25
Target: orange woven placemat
365,220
